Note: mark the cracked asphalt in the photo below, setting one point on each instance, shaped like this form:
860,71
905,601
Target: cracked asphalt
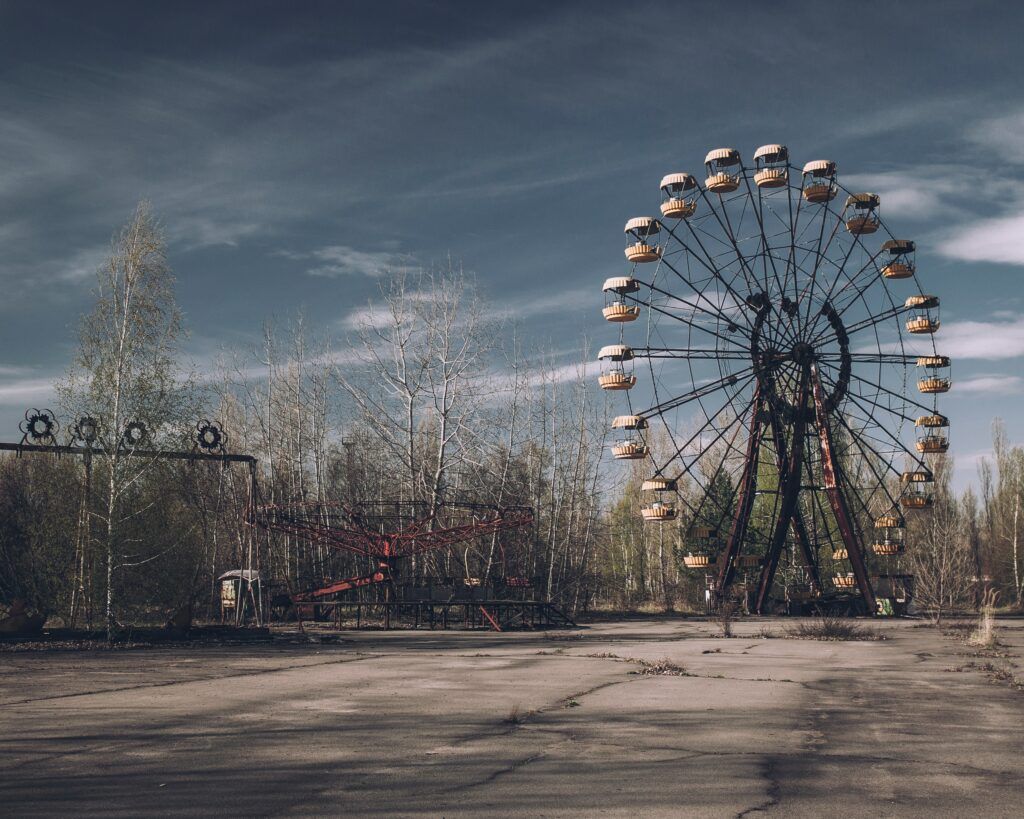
421,724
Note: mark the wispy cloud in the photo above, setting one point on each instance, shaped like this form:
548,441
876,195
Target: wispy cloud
990,385
913,194
342,260
1000,240
1003,135
995,340
26,391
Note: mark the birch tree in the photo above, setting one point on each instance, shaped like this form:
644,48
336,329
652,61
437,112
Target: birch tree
126,375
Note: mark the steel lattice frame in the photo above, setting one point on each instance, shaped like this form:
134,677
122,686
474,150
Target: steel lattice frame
386,532
777,356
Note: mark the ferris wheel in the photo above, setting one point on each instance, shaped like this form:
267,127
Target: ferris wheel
780,378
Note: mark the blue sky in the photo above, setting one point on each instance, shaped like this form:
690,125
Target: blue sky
295,151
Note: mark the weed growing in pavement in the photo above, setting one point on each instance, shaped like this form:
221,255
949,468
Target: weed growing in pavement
514,717
659,668
984,636
828,627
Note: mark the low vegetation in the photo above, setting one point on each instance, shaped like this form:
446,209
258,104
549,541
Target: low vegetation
832,628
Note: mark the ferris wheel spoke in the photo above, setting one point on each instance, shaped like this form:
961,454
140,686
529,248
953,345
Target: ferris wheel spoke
707,263
890,392
765,244
884,358
885,428
819,253
734,242
724,509
794,221
675,316
690,352
746,375
713,311
857,441
868,270
711,418
863,324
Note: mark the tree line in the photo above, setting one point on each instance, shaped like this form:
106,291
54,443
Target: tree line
430,397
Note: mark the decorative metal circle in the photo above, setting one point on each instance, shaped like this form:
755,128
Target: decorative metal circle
135,434
39,425
210,437
86,430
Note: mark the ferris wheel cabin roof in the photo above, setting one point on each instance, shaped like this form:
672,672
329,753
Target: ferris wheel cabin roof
772,153
933,361
932,421
863,201
647,224
683,181
629,422
899,246
917,476
723,156
616,352
820,167
621,284
922,300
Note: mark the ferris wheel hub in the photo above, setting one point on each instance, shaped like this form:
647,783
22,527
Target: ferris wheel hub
802,353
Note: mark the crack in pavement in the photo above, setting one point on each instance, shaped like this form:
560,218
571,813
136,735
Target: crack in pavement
213,678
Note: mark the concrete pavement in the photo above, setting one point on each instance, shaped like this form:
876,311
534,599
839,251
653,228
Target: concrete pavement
420,724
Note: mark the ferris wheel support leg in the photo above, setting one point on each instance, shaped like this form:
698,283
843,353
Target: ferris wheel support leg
791,475
831,473
745,503
802,538
799,527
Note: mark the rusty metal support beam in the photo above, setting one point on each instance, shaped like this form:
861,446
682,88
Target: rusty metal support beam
790,475
799,527
831,471
745,500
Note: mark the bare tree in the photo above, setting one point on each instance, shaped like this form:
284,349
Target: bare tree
939,551
126,374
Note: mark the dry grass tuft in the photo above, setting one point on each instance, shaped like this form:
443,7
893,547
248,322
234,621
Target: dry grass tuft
659,668
832,628
984,636
514,717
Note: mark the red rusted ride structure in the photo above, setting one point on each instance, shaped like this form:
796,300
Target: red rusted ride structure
385,533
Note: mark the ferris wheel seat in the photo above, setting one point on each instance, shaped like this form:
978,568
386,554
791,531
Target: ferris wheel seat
659,513
643,252
933,386
629,451
820,192
922,325
886,548
932,446
621,312
897,270
678,208
772,178
722,182
862,225
617,381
